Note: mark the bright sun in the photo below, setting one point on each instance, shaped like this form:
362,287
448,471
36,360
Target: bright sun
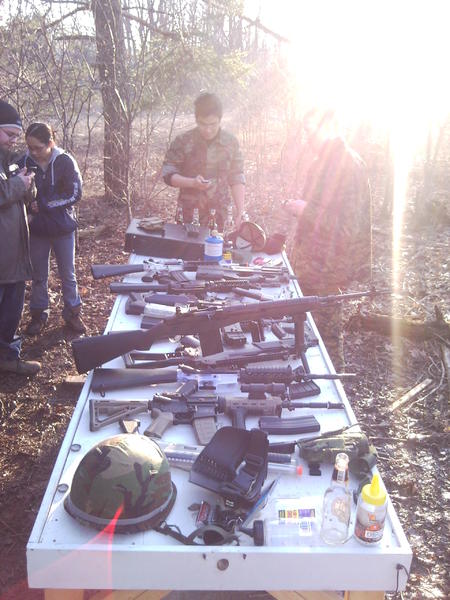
383,61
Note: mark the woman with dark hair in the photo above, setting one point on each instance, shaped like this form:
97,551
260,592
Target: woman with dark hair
52,225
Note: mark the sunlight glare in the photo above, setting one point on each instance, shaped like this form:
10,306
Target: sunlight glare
372,60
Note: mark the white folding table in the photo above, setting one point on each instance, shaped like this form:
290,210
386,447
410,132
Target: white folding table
63,554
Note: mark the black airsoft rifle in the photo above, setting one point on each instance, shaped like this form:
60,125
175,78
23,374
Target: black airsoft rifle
192,287
204,269
104,379
183,287
91,352
228,360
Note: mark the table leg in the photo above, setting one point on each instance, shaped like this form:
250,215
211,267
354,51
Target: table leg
288,595
364,596
130,595
55,594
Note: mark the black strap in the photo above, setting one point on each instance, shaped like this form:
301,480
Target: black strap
218,534
174,531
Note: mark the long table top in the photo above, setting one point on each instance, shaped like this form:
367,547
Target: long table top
62,553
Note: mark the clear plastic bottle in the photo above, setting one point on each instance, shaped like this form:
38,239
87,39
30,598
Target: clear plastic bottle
292,522
371,513
337,504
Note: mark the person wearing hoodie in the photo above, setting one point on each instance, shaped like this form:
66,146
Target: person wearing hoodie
15,265
52,225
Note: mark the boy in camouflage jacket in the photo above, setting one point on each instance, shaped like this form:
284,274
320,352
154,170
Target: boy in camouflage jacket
206,164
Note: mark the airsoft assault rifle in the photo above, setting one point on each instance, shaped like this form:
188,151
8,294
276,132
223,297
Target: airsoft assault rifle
91,352
105,380
204,269
191,287
258,352
200,409
181,287
137,304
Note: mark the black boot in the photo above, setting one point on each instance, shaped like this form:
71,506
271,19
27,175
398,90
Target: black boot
37,323
74,322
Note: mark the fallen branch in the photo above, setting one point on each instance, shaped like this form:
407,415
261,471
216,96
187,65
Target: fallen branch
445,353
415,391
412,329
413,437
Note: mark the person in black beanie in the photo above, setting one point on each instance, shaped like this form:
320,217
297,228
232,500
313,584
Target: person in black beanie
15,264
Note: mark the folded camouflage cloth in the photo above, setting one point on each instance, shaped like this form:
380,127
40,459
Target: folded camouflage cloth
151,224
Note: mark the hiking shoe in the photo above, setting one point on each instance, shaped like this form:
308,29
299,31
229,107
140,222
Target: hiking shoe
35,326
20,367
75,323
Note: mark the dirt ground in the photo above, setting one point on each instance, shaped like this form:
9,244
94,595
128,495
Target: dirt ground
412,441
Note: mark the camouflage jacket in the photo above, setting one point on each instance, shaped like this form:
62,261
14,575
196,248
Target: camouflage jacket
219,160
333,241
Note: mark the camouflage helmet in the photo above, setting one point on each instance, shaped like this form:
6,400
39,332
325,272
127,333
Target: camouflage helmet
124,483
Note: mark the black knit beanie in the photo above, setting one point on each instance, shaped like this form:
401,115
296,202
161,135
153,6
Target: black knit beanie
9,117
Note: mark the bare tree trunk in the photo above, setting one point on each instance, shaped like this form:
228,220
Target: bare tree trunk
111,64
388,196
425,191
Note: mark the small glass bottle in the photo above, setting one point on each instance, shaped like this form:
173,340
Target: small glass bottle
228,225
196,217
212,225
179,215
371,513
227,255
337,503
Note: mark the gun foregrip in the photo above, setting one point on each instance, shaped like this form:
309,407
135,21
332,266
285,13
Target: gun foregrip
161,422
238,414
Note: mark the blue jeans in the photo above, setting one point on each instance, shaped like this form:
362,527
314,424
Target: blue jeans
64,250
11,304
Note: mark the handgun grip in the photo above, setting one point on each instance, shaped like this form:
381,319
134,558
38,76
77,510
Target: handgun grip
161,422
204,428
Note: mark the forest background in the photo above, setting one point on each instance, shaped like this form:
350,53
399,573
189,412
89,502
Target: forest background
117,81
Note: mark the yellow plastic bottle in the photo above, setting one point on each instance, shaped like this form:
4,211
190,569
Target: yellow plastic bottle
371,512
